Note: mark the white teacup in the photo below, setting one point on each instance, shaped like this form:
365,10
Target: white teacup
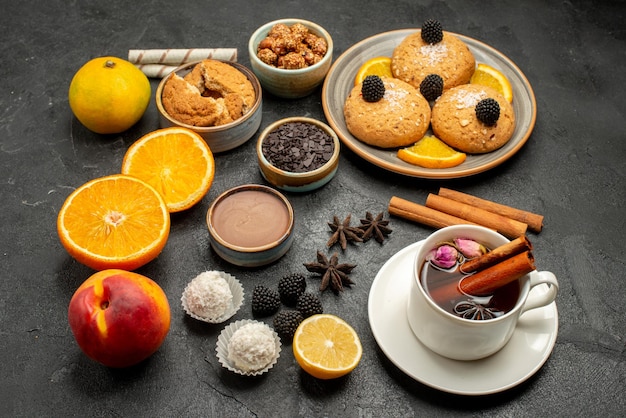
468,339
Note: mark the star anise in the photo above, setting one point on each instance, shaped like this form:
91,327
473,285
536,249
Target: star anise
473,310
333,274
343,232
374,226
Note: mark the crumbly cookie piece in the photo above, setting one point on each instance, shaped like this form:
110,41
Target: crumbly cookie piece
213,93
454,119
399,119
413,59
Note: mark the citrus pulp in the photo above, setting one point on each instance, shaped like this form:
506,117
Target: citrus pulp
115,221
176,162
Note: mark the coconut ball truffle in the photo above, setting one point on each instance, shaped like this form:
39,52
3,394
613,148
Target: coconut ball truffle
252,347
208,296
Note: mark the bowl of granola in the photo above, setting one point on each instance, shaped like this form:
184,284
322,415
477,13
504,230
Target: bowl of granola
290,57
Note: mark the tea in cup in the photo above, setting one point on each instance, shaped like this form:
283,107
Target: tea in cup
465,325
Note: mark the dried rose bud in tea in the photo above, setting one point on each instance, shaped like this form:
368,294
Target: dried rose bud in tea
298,147
444,256
470,248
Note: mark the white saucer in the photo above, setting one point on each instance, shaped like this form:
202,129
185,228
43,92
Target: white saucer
525,353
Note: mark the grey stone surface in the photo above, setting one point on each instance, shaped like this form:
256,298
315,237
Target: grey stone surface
572,170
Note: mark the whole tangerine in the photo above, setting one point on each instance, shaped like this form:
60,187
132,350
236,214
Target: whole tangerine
109,95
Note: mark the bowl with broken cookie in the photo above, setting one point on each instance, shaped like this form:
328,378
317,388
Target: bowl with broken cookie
220,100
298,154
290,57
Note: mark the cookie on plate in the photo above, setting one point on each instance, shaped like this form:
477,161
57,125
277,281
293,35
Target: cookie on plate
414,58
454,119
400,118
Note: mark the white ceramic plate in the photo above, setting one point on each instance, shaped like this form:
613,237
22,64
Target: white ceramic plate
529,347
340,80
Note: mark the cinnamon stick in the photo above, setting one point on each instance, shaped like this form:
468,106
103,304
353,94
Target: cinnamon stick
422,214
506,226
485,282
533,220
498,254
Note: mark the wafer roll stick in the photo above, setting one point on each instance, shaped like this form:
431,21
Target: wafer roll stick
156,70
422,214
485,282
506,226
178,57
533,220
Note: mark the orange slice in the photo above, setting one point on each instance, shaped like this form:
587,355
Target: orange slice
380,66
326,347
486,75
431,152
176,162
115,221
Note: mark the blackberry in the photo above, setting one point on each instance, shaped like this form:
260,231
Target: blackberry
488,111
265,301
309,304
432,31
285,324
373,88
290,287
431,87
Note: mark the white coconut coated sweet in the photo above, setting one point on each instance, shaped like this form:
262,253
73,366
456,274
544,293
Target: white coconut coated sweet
252,347
208,295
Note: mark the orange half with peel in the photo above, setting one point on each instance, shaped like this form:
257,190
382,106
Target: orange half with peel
116,221
176,162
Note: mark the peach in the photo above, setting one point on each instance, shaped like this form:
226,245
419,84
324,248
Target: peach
119,318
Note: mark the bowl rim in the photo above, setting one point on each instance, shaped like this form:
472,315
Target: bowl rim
256,84
252,46
244,187
320,170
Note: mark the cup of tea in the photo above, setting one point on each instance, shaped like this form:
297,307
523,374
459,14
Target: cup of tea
464,326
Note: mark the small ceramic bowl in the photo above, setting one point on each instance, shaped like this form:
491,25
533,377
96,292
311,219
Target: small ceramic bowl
298,181
251,225
223,137
288,83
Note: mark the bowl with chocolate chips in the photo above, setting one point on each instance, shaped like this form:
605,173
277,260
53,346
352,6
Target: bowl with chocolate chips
298,154
290,57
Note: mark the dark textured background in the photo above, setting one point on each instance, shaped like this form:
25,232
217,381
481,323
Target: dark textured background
572,170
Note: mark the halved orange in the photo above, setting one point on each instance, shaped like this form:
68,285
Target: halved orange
176,162
326,346
431,152
380,66
486,75
115,221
